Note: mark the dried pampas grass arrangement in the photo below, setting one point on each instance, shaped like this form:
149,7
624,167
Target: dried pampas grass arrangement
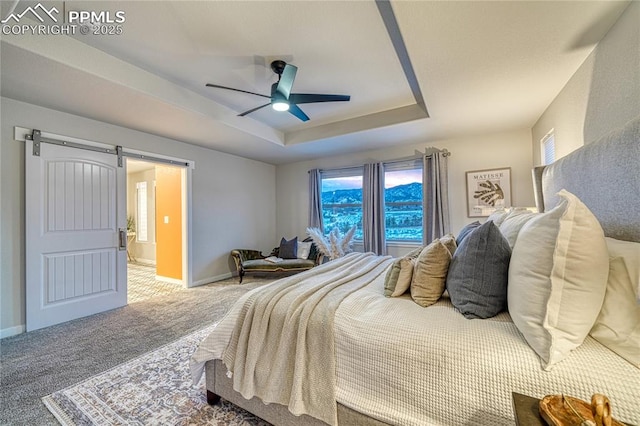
333,246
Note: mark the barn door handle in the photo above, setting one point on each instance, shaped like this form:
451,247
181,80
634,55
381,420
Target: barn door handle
123,239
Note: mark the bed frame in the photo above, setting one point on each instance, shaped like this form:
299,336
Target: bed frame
603,174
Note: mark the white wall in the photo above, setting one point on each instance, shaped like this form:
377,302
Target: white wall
233,198
508,149
143,251
602,95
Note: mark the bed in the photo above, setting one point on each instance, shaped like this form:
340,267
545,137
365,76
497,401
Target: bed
360,358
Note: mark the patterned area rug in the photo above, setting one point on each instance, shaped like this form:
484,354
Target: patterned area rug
154,389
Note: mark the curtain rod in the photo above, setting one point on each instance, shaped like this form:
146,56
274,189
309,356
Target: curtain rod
445,152
428,153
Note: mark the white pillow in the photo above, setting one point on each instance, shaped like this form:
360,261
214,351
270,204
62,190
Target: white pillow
498,216
304,249
557,278
513,223
618,325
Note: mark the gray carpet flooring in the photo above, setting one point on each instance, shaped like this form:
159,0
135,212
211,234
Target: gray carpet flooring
38,363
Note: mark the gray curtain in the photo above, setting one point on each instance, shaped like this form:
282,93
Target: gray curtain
315,199
373,208
435,197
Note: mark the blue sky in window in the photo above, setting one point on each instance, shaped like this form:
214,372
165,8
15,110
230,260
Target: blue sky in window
402,177
348,182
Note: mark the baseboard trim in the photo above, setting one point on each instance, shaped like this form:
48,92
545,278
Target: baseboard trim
169,280
12,331
212,279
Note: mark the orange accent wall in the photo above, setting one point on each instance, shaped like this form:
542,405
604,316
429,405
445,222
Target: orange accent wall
169,235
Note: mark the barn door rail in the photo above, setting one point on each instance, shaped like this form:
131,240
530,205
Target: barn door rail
38,140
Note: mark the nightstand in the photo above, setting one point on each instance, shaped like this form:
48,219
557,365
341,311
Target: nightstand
525,409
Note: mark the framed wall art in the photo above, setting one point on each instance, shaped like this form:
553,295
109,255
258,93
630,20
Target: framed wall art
488,190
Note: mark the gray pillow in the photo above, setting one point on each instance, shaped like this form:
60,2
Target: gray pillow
464,232
288,249
478,274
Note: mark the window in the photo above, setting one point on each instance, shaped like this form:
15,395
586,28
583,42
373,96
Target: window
342,200
548,146
403,201
141,203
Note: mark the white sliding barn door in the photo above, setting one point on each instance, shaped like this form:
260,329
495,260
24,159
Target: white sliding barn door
75,208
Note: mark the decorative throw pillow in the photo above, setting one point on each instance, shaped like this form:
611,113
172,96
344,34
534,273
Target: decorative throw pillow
498,216
303,249
413,254
288,249
618,324
313,251
398,278
430,271
466,231
513,223
477,279
404,277
449,242
393,274
557,278
391,279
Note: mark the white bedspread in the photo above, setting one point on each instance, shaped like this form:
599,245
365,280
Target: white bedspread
407,365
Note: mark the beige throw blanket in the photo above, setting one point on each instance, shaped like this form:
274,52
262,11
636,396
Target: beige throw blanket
282,348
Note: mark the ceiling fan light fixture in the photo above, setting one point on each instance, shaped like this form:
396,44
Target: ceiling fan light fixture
281,98
280,106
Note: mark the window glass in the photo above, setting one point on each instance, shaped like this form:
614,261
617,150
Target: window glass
548,149
403,203
342,201
142,222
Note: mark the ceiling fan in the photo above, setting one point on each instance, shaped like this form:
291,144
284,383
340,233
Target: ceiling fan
281,98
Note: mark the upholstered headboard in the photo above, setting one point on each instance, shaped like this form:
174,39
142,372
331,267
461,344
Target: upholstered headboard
605,175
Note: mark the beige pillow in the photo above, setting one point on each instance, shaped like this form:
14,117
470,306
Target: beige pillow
430,271
413,254
393,274
391,279
557,278
449,242
618,324
404,277
513,223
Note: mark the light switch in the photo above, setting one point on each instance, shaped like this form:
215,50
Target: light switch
166,219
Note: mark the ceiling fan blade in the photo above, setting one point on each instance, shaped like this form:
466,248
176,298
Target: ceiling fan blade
304,98
295,110
253,109
286,80
236,90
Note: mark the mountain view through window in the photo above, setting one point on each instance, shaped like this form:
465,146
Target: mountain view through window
342,204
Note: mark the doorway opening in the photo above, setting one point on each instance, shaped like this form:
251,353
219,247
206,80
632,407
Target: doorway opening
156,206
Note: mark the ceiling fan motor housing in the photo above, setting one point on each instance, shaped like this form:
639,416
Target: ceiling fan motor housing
278,66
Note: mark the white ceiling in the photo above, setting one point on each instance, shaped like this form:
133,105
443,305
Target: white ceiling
481,66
